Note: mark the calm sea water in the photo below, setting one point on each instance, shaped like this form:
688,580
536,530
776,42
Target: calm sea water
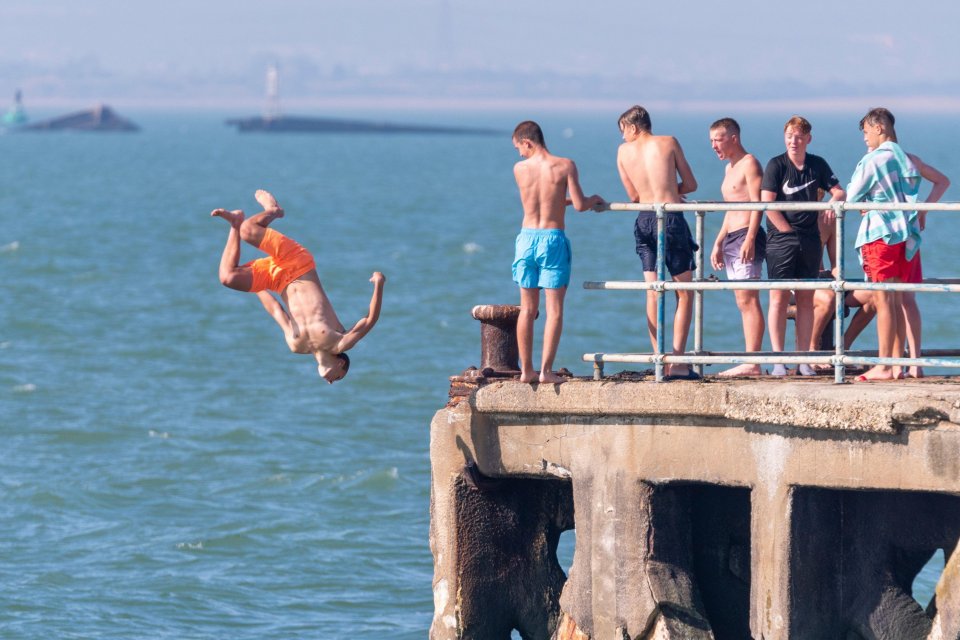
170,470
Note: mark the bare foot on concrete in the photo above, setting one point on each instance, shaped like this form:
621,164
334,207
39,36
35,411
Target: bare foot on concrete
676,370
876,373
268,202
740,370
528,377
235,217
549,377
915,372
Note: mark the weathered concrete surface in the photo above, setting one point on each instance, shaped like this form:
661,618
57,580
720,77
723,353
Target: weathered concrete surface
727,510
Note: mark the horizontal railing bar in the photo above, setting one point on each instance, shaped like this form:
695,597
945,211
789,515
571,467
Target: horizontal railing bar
711,206
855,353
766,285
779,358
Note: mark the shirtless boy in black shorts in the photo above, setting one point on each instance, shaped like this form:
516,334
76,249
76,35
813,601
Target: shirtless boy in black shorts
654,169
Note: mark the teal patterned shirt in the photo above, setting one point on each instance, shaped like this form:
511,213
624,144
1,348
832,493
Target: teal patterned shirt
886,174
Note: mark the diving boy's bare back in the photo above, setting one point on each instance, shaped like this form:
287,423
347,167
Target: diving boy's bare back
309,323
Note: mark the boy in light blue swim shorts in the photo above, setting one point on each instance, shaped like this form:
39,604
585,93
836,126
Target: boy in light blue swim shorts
542,259
543,256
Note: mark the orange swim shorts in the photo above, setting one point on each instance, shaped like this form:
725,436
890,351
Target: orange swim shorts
286,262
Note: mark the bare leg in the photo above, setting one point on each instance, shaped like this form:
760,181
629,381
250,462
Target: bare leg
231,274
914,327
651,276
863,317
888,315
900,340
803,326
529,304
681,325
253,228
553,326
749,304
777,322
823,310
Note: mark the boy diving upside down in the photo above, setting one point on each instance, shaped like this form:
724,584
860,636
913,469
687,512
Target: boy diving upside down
309,322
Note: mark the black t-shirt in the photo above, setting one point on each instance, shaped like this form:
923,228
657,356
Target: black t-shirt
795,185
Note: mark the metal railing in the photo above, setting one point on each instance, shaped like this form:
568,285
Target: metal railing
839,359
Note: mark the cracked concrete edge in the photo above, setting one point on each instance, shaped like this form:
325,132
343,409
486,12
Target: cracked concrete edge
878,408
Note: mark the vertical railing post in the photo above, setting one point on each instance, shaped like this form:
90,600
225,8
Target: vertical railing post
839,296
661,299
698,294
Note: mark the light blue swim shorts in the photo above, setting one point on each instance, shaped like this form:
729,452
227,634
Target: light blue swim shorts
542,259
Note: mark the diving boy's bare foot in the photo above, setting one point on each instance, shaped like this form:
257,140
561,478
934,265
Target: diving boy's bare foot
549,377
740,370
268,202
915,372
235,217
528,376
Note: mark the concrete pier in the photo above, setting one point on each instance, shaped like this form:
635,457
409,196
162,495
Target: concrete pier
766,509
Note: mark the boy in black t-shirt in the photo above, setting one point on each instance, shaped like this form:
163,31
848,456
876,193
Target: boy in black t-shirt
793,237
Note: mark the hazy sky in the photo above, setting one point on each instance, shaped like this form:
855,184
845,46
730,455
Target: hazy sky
62,48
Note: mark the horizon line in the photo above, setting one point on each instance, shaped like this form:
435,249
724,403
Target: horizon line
837,104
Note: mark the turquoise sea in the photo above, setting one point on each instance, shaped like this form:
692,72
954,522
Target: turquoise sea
170,470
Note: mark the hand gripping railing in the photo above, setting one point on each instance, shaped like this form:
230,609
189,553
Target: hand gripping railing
839,360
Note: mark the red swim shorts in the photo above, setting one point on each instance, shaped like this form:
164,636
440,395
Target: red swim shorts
882,261
287,261
916,270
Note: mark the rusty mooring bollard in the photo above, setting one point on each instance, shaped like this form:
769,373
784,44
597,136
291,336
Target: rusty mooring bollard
498,336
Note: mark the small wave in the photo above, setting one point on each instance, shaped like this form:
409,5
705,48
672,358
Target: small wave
159,434
25,388
5,344
190,546
10,247
380,480
472,247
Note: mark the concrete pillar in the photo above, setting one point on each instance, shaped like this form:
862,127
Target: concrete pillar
771,508
946,623
494,543
632,575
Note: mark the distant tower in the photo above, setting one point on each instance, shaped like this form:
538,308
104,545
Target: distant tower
271,110
15,115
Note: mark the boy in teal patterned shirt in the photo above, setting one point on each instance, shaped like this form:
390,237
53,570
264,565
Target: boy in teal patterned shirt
887,240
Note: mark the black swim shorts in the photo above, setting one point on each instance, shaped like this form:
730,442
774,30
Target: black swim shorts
793,256
679,242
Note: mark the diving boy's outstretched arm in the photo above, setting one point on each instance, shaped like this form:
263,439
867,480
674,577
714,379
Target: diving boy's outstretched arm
365,324
278,313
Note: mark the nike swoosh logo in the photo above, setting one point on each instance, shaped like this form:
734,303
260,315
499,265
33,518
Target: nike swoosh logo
789,191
